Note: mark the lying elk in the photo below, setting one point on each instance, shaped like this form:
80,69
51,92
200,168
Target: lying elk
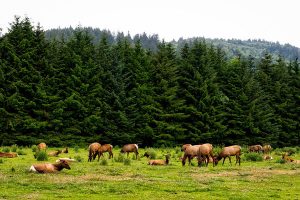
49,168
127,148
160,162
8,155
54,153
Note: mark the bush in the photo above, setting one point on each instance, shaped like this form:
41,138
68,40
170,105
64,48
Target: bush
76,149
120,158
34,148
1,161
14,148
41,156
289,150
127,161
280,160
21,152
253,157
6,149
103,162
151,152
78,158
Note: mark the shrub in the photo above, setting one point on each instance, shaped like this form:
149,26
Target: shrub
127,161
6,149
289,150
1,161
21,152
103,162
76,149
41,156
253,157
120,158
14,148
152,153
78,158
280,160
34,148
177,150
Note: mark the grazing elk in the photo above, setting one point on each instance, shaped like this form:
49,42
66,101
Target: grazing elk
267,148
229,151
205,151
183,148
160,162
190,152
256,148
49,168
8,155
127,148
106,148
94,150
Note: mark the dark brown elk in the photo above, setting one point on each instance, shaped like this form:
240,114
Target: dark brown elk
160,162
229,151
49,168
8,155
127,148
256,148
106,148
54,153
267,148
205,151
42,146
183,148
94,150
190,152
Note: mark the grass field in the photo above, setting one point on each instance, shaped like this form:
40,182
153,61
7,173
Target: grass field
137,180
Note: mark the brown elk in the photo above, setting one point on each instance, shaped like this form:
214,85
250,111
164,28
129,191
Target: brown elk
256,148
190,152
205,151
267,157
94,150
42,146
127,148
160,162
66,150
54,153
267,148
229,151
8,155
49,168
106,148
183,148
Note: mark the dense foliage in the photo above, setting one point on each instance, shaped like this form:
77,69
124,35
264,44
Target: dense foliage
78,90
232,47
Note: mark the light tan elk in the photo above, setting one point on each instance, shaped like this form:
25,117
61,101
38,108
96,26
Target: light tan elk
127,148
49,168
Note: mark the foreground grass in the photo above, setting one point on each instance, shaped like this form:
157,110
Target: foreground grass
251,180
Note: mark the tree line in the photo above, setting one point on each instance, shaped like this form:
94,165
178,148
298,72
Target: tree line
76,91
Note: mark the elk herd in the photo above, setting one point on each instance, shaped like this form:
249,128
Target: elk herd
203,153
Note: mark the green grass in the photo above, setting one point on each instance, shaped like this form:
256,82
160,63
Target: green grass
91,180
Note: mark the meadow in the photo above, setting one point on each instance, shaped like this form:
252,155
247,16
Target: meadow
122,178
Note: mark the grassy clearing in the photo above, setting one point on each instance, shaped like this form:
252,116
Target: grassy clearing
114,180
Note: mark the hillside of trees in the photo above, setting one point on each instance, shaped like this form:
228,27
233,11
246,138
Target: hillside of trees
77,90
232,47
